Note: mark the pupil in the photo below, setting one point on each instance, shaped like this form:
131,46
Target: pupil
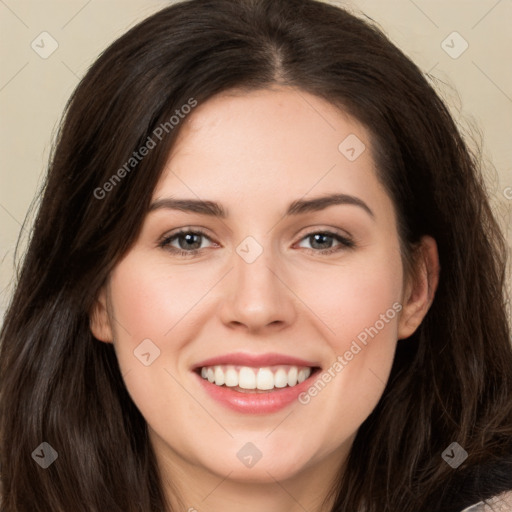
320,238
189,238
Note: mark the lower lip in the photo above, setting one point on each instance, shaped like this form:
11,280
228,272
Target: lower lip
255,403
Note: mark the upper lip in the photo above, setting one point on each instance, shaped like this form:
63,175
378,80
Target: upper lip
255,360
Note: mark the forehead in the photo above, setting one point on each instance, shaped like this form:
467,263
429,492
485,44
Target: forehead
267,145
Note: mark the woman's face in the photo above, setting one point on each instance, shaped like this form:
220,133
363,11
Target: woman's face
300,275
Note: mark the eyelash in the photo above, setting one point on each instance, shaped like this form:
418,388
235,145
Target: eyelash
345,242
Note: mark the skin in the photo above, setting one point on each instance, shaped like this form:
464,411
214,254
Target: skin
255,153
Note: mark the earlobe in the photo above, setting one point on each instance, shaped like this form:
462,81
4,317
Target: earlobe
421,288
98,319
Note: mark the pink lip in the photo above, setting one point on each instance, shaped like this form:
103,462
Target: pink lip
255,360
252,402
255,403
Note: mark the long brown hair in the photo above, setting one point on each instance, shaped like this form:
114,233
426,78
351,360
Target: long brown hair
451,380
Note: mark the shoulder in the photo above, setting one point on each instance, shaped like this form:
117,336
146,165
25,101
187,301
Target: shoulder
500,503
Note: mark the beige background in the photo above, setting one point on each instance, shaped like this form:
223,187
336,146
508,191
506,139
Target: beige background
33,90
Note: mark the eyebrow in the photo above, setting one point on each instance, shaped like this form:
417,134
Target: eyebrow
297,207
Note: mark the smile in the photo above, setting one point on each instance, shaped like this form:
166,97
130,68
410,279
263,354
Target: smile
255,383
247,379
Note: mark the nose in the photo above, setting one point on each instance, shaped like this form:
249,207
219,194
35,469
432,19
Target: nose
256,296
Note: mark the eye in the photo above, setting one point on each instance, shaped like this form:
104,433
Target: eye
324,240
189,243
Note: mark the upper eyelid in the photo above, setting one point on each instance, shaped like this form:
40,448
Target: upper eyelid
183,231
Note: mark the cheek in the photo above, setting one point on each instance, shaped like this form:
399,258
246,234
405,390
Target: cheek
154,311
353,297
360,306
150,300
149,310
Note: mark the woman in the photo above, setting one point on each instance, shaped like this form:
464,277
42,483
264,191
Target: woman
264,276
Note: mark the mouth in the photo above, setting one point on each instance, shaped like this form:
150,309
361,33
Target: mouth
247,379
255,384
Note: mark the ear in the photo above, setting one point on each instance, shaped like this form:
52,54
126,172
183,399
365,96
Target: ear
420,288
98,318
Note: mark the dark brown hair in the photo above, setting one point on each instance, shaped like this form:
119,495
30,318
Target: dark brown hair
451,380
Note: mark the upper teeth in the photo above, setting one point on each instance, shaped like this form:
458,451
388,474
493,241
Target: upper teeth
255,378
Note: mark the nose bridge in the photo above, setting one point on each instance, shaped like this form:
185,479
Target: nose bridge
257,295
254,262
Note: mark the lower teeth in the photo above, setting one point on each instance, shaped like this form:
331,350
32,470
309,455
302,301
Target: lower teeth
256,390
